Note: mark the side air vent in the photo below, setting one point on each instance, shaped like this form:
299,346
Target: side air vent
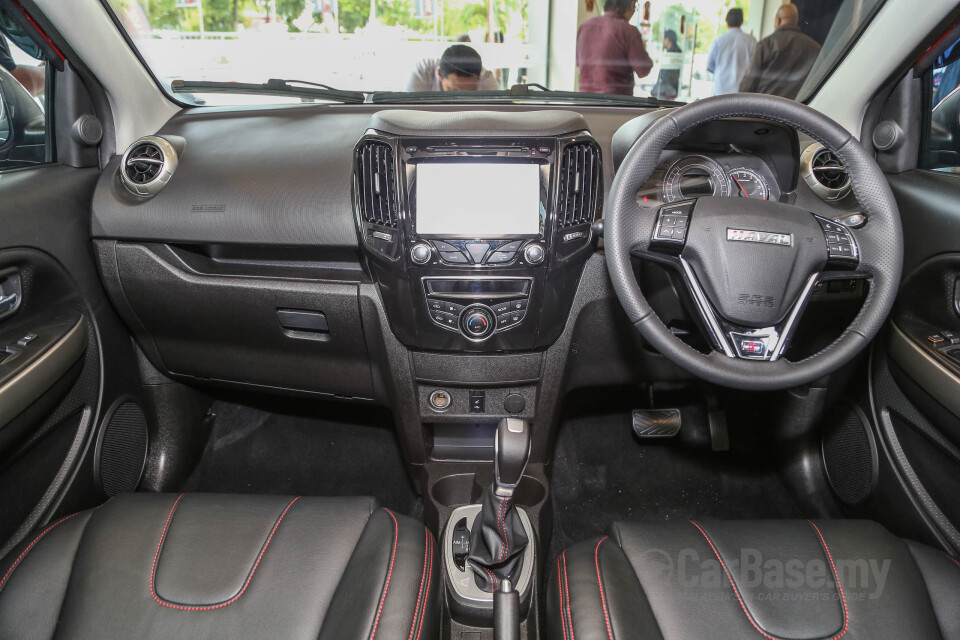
377,183
824,173
580,177
147,165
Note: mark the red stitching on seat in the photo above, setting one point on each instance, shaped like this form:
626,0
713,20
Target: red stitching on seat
743,606
836,577
426,596
16,563
212,607
563,621
386,587
952,559
423,576
603,600
566,586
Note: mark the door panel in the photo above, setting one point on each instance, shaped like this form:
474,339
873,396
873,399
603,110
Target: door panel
916,373
54,387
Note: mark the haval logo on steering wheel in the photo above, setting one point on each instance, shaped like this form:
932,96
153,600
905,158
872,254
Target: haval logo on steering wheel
763,237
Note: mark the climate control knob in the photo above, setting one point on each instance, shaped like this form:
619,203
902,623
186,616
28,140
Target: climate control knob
534,253
420,253
477,322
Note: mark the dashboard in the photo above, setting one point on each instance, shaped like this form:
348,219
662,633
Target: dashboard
327,249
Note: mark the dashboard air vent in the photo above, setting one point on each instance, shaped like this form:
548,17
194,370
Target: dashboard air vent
580,177
824,173
376,180
147,165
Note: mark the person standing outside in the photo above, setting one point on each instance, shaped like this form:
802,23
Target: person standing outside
730,55
783,59
610,50
671,64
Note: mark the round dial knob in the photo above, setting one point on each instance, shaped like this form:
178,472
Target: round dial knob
534,253
420,253
477,322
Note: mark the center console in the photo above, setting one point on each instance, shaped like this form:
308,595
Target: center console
476,242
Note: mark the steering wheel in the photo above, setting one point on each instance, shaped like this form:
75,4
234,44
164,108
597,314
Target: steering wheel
750,266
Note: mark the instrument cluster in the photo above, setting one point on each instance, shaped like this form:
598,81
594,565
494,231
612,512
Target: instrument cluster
686,176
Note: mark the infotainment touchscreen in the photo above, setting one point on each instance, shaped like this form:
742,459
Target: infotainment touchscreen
477,200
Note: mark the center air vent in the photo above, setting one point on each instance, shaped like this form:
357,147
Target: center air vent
580,177
377,183
824,173
147,165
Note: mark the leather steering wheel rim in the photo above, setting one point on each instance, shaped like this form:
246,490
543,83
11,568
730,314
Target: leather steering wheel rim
880,241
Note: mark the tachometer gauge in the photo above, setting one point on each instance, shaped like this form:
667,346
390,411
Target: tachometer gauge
694,177
747,183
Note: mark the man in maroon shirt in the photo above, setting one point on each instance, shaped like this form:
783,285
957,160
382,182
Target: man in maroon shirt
610,50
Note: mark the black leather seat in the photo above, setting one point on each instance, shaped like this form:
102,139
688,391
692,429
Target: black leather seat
221,566
795,580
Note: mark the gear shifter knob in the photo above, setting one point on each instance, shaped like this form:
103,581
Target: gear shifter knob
511,452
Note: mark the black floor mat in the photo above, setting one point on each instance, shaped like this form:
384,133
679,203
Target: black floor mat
286,447
603,474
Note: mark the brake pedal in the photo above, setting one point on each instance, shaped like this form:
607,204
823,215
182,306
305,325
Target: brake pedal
656,423
719,435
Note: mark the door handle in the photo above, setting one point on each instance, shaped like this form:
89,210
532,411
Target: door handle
8,303
11,293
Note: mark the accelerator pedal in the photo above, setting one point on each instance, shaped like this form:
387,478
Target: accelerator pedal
656,423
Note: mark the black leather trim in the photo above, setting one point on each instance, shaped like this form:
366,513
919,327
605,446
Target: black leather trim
324,567
663,580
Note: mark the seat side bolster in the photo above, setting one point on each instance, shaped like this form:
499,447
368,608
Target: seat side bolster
400,557
595,595
941,574
34,577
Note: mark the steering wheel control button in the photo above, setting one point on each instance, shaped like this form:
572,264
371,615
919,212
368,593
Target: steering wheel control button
453,257
478,399
477,251
534,253
841,247
672,223
477,322
420,253
440,400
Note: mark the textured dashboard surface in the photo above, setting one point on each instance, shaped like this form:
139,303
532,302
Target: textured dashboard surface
282,176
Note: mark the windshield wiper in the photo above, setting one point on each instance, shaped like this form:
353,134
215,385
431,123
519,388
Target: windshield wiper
272,87
520,92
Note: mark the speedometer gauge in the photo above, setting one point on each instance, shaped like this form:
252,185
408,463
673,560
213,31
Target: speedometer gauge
747,183
694,177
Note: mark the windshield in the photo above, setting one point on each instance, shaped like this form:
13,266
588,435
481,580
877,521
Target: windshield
624,51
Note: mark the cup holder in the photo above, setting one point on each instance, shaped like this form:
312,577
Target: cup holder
530,492
460,489
457,490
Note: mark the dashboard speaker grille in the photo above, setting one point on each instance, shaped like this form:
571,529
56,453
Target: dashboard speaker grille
579,184
123,450
377,183
849,455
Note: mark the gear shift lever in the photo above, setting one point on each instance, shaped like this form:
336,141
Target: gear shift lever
498,539
511,450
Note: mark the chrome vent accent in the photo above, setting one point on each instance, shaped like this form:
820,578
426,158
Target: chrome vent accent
824,173
147,165
580,176
377,183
